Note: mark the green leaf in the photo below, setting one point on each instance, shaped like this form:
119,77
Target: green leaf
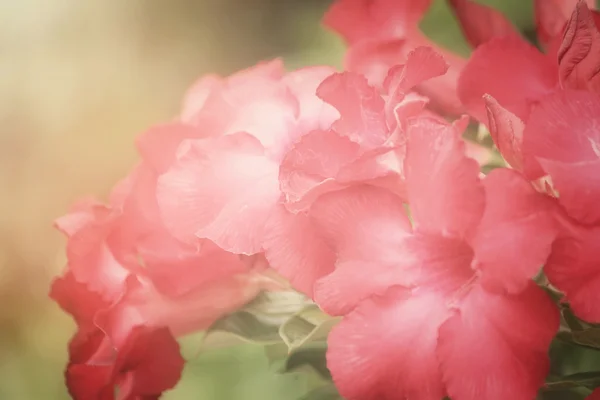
241,327
589,380
308,325
327,392
313,356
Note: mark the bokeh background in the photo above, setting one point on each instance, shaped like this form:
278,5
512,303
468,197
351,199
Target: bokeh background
79,80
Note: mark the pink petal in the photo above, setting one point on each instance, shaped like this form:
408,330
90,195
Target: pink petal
385,349
314,112
361,108
573,268
422,63
563,133
261,107
294,247
506,130
578,186
197,94
481,23
579,54
158,146
495,346
222,190
510,70
551,16
445,194
516,232
369,229
313,162
357,20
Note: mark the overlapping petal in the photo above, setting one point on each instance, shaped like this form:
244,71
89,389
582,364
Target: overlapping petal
511,71
551,16
385,348
223,190
563,133
516,232
573,267
481,23
444,190
579,53
495,346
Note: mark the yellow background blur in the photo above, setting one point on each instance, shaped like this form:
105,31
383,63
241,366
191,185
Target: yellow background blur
79,80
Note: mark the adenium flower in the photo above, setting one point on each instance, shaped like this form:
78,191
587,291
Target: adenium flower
381,34
444,305
562,135
129,285
506,77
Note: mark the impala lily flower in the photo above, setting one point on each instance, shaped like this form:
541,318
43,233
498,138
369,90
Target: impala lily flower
122,306
506,77
415,298
562,134
381,34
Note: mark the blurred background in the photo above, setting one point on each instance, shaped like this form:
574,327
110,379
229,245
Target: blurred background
79,80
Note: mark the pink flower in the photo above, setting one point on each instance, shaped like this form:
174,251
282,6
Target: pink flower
381,34
562,135
130,285
431,306
506,77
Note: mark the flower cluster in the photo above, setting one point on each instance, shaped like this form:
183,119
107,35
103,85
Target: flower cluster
354,188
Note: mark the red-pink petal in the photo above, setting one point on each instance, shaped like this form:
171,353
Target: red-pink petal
361,108
551,16
481,23
444,191
579,54
150,362
385,348
158,146
422,63
495,346
369,229
294,247
563,133
311,163
223,190
516,232
573,267
197,94
594,396
506,130
358,20
510,70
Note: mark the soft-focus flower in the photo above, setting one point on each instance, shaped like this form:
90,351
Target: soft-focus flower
445,304
381,34
563,135
130,285
506,77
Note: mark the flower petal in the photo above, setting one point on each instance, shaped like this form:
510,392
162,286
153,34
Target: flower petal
551,16
357,20
385,349
495,346
516,232
294,247
563,133
510,70
579,53
481,23
445,194
573,268
361,108
369,229
506,130
222,190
